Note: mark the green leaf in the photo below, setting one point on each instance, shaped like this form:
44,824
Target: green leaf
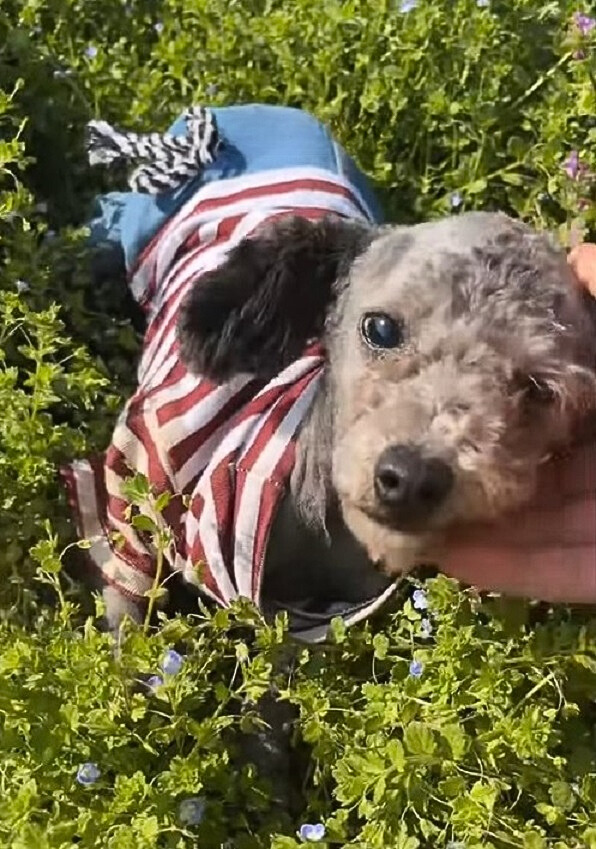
533,840
162,501
453,786
144,523
419,739
395,755
484,794
338,629
380,645
562,795
512,178
476,187
456,737
405,840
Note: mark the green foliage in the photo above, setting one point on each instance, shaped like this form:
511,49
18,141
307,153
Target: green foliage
492,744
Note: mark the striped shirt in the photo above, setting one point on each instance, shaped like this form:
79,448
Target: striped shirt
222,452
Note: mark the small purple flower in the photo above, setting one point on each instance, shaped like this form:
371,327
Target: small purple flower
419,600
578,55
455,200
426,627
154,683
573,167
407,5
311,833
172,662
158,27
584,23
91,51
88,774
22,286
191,811
416,668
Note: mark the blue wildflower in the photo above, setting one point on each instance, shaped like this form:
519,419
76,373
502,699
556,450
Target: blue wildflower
419,600
311,832
407,5
154,682
455,200
426,627
91,51
191,811
88,774
172,662
416,668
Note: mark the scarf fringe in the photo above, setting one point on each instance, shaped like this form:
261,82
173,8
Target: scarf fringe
166,162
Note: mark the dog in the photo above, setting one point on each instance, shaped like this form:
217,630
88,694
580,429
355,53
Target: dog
459,356
320,395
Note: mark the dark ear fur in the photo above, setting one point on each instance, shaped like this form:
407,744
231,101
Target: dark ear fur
256,311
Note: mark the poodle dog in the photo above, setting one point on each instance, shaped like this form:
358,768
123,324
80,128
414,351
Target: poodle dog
319,397
459,356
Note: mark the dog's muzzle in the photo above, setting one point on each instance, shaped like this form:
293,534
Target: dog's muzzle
409,487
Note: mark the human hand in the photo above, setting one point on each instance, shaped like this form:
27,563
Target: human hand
546,551
582,260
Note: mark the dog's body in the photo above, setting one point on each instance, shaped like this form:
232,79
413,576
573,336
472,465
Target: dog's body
455,356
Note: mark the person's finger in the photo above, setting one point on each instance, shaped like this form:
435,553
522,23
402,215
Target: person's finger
571,521
566,575
582,260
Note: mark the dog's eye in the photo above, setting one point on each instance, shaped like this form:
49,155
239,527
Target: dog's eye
380,330
536,390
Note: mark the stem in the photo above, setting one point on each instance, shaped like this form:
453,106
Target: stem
542,79
155,587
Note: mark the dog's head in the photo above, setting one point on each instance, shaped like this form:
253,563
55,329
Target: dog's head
461,353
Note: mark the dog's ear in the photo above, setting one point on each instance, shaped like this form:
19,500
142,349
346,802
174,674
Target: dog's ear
255,312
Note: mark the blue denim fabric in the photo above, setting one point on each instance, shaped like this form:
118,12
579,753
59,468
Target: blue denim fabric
257,138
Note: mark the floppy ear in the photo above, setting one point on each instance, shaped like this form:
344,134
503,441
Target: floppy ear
271,295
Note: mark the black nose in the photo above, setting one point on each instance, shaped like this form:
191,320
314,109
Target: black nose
411,484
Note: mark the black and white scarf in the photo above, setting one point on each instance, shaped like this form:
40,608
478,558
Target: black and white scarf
166,161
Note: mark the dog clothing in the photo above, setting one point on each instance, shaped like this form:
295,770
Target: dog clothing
223,452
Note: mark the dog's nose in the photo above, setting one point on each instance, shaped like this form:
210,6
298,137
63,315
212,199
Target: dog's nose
410,483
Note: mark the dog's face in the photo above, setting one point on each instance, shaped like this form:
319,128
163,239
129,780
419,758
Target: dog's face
460,354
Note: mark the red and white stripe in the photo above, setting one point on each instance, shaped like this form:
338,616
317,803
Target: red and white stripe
228,449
